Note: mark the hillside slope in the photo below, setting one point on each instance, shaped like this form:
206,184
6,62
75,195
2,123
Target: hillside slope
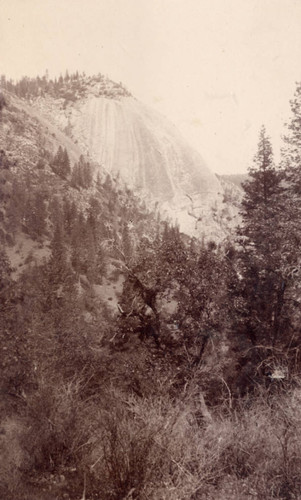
35,198
129,139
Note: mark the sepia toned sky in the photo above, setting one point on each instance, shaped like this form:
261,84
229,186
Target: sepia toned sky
217,68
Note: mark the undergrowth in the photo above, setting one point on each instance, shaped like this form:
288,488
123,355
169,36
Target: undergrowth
116,445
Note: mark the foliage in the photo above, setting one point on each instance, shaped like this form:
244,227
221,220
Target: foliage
2,102
269,259
82,174
190,388
291,156
261,258
69,87
61,163
175,298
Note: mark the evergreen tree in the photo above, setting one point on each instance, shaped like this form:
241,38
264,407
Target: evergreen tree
291,153
82,174
291,163
60,291
94,216
2,102
66,163
9,363
61,163
98,183
262,188
4,161
261,239
69,215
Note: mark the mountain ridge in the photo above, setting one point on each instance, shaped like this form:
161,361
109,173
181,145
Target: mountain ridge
125,138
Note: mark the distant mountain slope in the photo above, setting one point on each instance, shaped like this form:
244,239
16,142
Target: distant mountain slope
125,138
34,196
129,138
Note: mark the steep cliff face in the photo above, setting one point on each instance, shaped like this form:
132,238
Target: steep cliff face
148,152
127,138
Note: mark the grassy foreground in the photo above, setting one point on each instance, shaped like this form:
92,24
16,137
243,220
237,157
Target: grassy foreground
112,445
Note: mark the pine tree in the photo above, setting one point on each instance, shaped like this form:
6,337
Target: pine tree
66,163
291,163
61,163
82,174
291,153
9,331
261,190
261,239
69,215
2,102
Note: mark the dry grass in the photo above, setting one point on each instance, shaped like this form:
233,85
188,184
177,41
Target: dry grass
12,456
159,448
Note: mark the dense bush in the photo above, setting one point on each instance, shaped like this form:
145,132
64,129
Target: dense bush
123,446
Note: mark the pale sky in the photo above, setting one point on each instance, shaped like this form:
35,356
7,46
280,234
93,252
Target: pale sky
218,69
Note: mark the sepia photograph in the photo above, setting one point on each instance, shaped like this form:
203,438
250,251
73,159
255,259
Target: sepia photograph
150,249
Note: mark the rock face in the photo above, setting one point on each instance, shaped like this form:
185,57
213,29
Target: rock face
127,138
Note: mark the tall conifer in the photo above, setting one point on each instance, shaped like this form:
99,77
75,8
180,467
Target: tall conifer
261,242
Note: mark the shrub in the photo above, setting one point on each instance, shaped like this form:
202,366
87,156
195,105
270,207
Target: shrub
12,457
53,415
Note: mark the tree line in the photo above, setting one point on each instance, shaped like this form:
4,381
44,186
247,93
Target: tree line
70,86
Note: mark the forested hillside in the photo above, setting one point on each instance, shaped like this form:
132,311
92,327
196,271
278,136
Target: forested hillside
139,362
129,139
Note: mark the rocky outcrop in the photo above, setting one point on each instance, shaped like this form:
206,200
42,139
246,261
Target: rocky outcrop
148,152
131,140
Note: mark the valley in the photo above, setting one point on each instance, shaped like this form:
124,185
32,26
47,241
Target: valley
150,309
